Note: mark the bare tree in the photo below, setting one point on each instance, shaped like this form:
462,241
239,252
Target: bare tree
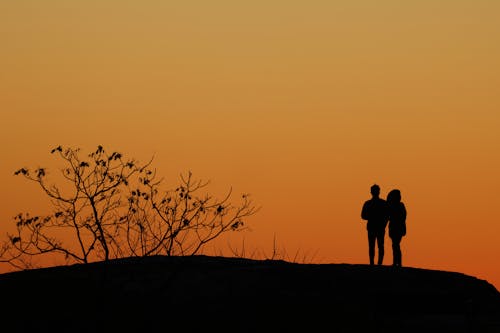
180,221
85,207
106,207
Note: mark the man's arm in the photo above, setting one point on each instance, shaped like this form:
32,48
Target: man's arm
364,211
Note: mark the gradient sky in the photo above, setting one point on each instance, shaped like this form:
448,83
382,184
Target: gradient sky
303,104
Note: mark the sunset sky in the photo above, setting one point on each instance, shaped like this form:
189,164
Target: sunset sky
302,104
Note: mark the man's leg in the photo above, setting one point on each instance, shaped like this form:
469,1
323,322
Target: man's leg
380,243
371,246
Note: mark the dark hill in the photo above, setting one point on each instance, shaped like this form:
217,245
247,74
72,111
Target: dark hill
189,294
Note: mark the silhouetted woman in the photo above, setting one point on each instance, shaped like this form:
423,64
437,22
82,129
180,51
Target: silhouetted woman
397,224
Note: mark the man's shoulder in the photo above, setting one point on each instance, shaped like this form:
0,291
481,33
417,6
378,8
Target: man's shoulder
375,200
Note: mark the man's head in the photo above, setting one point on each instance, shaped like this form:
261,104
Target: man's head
375,190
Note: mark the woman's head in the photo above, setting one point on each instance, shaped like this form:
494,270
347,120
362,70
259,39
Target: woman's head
394,196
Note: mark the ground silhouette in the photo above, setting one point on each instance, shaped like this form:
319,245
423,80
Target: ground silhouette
171,294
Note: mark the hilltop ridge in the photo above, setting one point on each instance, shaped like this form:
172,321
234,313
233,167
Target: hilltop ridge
160,294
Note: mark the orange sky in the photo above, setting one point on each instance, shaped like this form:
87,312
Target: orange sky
303,104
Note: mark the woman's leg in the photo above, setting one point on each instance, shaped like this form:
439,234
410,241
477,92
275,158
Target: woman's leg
396,251
400,254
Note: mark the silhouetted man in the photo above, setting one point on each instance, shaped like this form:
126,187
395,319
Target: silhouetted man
375,212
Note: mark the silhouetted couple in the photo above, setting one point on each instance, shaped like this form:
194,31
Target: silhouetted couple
378,213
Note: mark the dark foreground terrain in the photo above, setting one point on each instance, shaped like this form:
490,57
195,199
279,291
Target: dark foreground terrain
216,294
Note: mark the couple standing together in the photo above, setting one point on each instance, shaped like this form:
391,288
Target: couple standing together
378,213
